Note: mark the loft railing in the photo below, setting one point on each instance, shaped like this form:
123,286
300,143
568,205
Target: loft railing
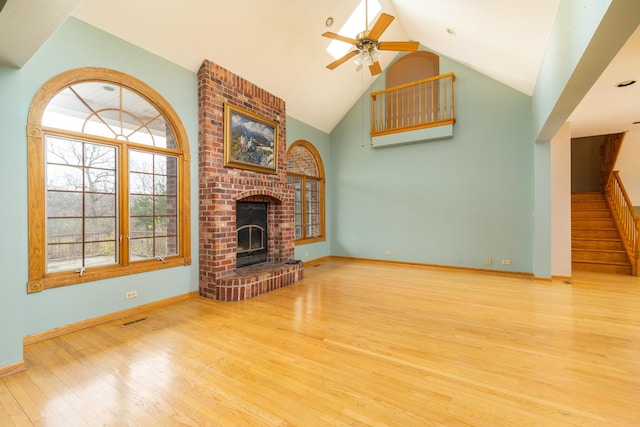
625,217
421,104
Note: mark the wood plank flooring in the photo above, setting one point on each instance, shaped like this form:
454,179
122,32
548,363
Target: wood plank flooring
354,343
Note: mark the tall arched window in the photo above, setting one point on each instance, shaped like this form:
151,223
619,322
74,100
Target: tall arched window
305,173
108,180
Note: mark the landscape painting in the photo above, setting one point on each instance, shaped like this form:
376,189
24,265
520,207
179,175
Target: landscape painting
250,141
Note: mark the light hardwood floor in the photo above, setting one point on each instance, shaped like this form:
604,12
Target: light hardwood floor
355,343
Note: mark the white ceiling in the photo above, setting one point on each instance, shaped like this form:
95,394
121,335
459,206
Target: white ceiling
276,44
608,108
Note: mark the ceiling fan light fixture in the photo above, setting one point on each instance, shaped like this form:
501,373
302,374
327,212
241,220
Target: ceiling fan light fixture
375,55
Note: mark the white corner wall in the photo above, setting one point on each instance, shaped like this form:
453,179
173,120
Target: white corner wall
627,164
561,202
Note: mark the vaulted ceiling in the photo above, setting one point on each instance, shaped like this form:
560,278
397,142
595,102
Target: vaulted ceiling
276,44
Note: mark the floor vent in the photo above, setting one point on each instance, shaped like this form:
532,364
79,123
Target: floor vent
134,321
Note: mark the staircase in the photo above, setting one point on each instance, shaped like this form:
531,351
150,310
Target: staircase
595,242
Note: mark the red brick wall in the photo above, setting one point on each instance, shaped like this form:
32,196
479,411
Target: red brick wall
221,188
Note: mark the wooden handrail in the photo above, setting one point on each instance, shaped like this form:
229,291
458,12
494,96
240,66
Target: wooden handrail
420,104
625,217
609,152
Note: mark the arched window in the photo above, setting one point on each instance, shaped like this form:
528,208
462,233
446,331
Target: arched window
108,180
306,174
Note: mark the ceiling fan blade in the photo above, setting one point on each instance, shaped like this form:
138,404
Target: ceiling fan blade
335,36
342,60
381,24
404,46
375,68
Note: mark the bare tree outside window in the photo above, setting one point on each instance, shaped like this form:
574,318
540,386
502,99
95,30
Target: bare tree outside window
81,204
153,195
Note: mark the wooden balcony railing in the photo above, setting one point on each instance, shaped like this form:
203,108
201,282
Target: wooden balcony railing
421,104
625,217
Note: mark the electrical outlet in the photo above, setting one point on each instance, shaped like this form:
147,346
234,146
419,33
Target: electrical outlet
131,294
387,253
489,261
506,262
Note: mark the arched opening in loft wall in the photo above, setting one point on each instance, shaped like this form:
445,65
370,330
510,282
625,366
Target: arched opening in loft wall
412,67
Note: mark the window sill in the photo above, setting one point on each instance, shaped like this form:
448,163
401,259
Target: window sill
55,280
309,240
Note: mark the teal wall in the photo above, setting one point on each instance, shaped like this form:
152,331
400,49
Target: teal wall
76,45
13,214
453,202
298,130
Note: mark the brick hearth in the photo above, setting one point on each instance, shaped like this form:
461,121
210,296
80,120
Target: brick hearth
222,187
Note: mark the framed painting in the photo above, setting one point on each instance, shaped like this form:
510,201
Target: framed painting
250,141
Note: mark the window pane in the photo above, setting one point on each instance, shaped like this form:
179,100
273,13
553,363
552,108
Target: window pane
141,226
153,203
64,204
99,204
171,246
160,184
65,111
95,108
99,156
140,183
86,214
160,226
98,229
312,207
141,205
99,180
140,161
166,165
301,161
100,253
95,125
165,246
66,178
162,134
64,151
141,249
164,205
64,230
64,257
296,182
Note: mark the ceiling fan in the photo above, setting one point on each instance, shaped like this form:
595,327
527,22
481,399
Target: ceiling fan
367,47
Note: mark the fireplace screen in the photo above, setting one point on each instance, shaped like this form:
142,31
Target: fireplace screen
250,238
251,226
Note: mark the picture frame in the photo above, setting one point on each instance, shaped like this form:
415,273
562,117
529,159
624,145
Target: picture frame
250,141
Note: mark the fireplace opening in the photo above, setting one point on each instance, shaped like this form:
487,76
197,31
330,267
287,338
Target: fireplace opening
251,226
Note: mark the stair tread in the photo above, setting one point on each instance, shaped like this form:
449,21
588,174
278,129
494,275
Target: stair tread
601,262
591,228
600,250
599,239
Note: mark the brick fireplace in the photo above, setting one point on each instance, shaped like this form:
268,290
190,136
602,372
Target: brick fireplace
222,187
